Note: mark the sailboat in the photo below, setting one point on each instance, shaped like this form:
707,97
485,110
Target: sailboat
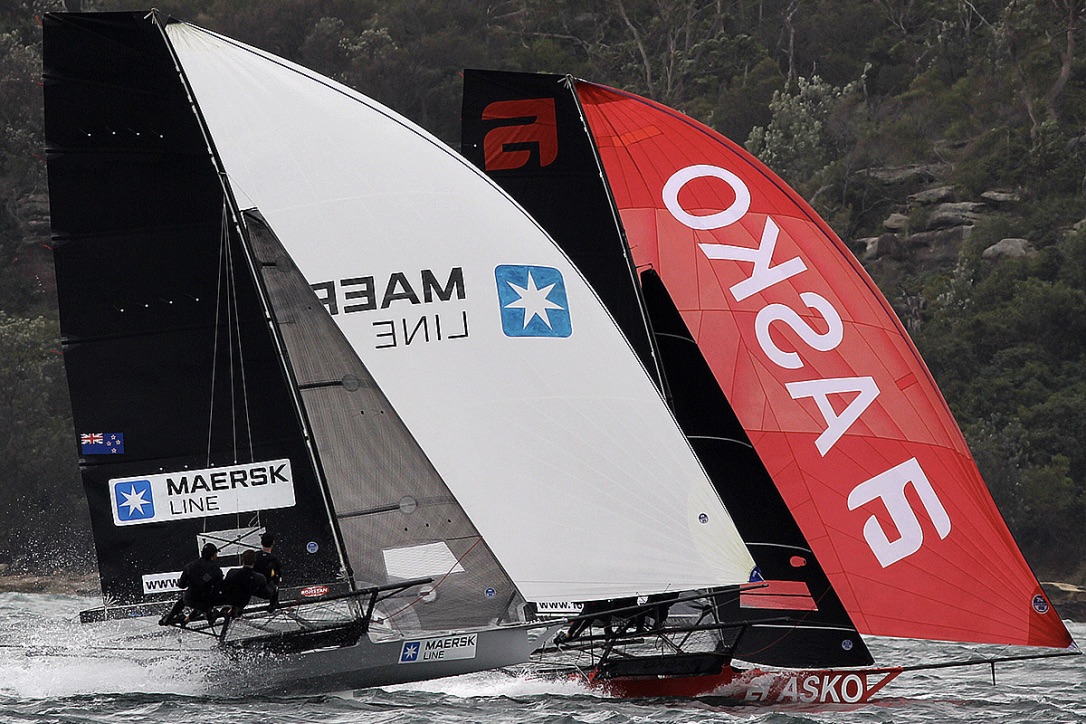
287,309
801,392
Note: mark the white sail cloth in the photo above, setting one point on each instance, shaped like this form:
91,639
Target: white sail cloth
528,401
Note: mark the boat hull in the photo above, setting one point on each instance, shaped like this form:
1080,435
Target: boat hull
368,663
760,686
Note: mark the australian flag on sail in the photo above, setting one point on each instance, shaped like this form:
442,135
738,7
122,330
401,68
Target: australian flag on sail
533,301
101,443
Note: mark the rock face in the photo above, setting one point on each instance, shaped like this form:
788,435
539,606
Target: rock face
939,246
934,195
887,245
1069,600
1000,198
928,227
1009,249
964,213
919,173
896,222
33,211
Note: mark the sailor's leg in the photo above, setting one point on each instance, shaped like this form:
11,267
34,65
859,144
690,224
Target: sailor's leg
225,628
174,613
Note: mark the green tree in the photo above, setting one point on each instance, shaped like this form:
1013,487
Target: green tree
41,499
25,266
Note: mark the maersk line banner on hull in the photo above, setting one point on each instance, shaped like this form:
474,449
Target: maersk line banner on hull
198,493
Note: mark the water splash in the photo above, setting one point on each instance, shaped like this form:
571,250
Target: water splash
52,668
45,653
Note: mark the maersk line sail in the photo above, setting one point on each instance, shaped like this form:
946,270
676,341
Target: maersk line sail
267,279
500,359
215,400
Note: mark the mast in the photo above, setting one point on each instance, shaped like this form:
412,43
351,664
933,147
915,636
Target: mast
240,229
655,365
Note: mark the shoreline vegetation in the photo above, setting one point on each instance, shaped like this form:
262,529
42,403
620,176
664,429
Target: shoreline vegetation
71,583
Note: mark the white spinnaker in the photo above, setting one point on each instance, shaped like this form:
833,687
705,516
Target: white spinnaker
558,448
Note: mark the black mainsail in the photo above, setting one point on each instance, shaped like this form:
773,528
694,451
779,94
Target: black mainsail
165,297
150,329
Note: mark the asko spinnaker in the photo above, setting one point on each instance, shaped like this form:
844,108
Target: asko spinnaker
834,397
827,383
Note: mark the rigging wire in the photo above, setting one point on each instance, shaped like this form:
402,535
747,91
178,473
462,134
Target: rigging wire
231,310
240,359
215,340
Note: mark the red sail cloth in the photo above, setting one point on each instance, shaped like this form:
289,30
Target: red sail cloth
836,399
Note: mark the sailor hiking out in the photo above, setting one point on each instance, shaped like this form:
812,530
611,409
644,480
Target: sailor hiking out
269,566
201,580
242,584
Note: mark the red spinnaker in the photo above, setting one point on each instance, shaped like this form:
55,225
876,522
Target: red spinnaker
836,399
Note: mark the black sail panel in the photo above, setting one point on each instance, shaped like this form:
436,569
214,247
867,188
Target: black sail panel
398,519
819,632
525,131
181,406
550,167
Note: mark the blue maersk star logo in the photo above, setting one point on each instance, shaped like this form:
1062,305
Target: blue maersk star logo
134,500
409,652
533,301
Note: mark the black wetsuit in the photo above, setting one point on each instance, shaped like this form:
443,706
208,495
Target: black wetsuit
201,580
268,566
240,585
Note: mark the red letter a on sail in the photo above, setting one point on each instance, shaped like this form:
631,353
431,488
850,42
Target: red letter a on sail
508,147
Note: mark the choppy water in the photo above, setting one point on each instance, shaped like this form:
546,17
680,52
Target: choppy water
54,670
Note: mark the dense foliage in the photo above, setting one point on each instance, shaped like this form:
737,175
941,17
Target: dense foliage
834,94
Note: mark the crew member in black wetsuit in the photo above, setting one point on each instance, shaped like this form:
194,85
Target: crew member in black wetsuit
201,580
268,565
604,619
243,583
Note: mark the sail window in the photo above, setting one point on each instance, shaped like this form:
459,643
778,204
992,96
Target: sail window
430,559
